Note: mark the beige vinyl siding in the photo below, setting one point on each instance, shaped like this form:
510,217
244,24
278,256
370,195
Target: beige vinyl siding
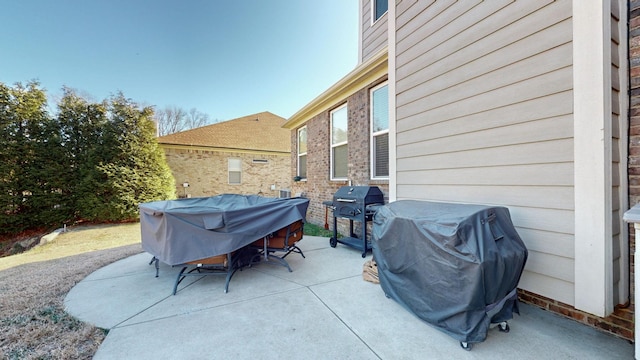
619,204
484,114
374,35
615,155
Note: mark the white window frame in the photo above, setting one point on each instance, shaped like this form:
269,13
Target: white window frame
300,154
373,134
373,12
332,145
231,167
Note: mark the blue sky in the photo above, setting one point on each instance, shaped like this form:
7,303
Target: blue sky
225,58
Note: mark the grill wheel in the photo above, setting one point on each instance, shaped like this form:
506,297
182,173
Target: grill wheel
333,242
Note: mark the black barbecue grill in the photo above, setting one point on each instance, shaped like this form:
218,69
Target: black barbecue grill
356,203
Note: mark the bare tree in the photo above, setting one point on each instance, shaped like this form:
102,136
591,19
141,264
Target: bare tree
170,120
173,119
196,119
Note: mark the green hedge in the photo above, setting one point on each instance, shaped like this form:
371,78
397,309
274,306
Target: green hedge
89,161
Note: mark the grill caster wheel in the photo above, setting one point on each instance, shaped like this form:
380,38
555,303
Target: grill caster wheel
466,345
504,327
333,242
364,255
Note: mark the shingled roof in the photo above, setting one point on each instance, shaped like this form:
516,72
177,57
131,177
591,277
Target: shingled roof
262,131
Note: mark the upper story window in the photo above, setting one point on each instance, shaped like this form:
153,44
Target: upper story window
302,152
235,171
380,132
339,153
380,7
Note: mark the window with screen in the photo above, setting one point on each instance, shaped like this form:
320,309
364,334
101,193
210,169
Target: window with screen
302,152
380,132
339,155
235,171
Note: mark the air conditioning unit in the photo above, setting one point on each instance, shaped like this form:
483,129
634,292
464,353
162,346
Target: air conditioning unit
284,193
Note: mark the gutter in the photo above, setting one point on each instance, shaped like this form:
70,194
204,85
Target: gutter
364,74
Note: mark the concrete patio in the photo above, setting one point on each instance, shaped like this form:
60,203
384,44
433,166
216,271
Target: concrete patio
321,310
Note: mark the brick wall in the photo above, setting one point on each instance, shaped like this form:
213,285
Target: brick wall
620,323
634,125
634,110
634,134
207,172
317,187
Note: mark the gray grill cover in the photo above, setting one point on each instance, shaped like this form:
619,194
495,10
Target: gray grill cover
455,266
178,231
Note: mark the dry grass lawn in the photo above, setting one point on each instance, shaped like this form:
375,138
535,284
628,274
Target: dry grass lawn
33,324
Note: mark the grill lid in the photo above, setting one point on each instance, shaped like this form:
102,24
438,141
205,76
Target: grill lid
358,194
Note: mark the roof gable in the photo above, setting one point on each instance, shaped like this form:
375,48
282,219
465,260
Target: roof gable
262,131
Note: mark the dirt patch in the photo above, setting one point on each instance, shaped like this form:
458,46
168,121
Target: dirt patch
33,324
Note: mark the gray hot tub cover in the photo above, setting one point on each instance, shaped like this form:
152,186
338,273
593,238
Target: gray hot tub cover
455,266
183,230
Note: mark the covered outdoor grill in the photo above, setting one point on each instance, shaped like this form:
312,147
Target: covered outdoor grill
455,266
356,203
